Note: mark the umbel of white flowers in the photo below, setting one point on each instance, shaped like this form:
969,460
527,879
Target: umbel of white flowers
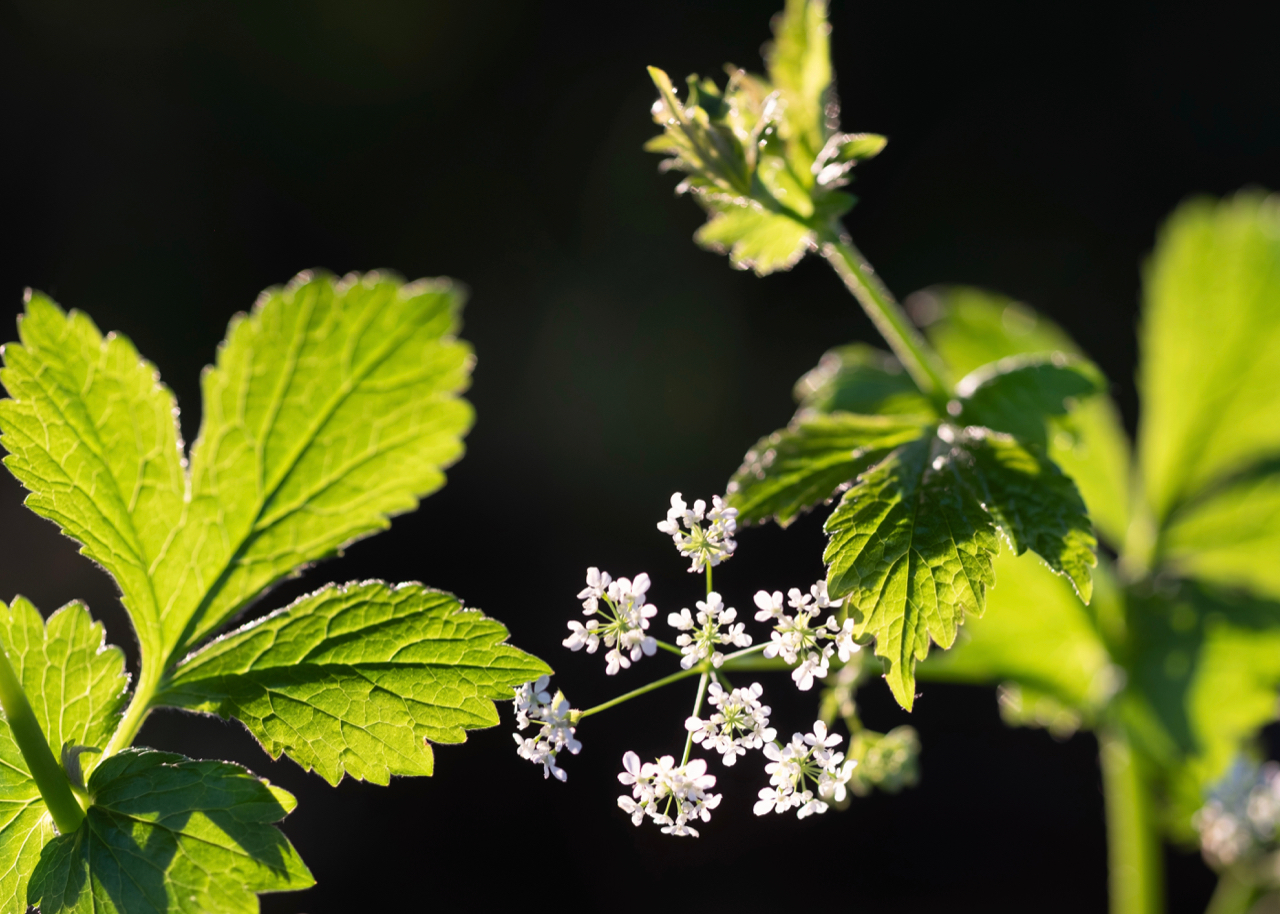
805,774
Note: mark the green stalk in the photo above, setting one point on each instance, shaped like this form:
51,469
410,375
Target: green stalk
636,693
920,361
52,781
697,709
1233,895
1133,845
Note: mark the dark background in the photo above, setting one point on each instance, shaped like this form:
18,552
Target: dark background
162,163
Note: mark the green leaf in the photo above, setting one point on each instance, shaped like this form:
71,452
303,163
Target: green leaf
91,433
1036,633
1203,674
75,684
756,239
861,379
166,833
799,64
805,464
1210,343
1018,393
911,542
970,328
1232,535
354,680
332,407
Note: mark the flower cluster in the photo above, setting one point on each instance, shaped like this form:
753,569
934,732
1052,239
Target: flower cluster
797,640
704,547
1241,818
535,705
624,623
702,633
808,757
739,723
658,789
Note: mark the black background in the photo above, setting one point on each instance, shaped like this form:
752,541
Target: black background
162,163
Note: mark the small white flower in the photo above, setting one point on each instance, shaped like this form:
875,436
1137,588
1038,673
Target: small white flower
597,583
704,546
661,787
820,598
623,621
698,640
739,723
807,758
769,604
556,733
813,666
582,636
842,637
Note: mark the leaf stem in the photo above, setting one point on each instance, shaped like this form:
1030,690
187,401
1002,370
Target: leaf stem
52,781
1233,895
920,361
1133,845
136,714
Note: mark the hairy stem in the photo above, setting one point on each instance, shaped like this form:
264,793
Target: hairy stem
52,781
1133,844
920,361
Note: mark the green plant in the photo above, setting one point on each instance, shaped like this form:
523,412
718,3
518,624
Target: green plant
951,457
333,406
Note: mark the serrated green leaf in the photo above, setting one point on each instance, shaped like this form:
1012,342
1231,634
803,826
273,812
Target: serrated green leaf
333,406
165,834
1203,676
1231,536
755,238
911,542
799,64
861,379
807,463
1035,632
91,433
355,680
913,554
1210,343
1019,393
75,684
971,327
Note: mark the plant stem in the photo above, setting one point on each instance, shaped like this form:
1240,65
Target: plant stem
920,361
636,693
52,781
697,709
1233,895
1133,844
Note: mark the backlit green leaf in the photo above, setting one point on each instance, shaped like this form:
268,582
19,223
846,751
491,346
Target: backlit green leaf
970,328
811,460
799,65
75,685
166,833
355,680
1210,343
1019,393
861,379
755,238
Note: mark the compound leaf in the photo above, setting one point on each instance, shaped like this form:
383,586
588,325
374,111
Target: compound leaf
799,64
1210,342
92,434
355,680
75,684
806,463
169,834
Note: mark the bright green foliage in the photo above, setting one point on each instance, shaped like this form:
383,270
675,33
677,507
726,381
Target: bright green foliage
805,464
971,328
1018,393
354,680
166,833
333,406
765,157
76,687
1037,633
1210,345
861,379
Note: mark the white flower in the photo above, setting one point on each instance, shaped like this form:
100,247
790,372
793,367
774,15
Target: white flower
697,641
807,758
704,546
740,722
769,604
657,789
814,666
556,732
820,598
843,638
623,621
